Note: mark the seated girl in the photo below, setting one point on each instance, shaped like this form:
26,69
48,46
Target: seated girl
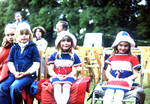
122,69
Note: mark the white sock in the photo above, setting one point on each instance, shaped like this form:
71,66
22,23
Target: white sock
65,97
119,94
66,93
109,94
57,94
57,97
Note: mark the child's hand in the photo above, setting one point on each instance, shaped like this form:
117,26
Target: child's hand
127,79
20,75
65,77
16,74
61,77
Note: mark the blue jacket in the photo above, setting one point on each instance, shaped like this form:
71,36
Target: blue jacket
22,20
24,61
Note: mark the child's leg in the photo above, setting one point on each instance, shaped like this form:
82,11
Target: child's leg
57,93
109,94
17,86
119,94
4,90
66,93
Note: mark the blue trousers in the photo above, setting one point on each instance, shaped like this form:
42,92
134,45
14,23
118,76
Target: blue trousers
11,89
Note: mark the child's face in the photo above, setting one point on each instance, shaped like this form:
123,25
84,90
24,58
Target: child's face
65,44
123,47
10,35
38,34
23,38
18,17
59,27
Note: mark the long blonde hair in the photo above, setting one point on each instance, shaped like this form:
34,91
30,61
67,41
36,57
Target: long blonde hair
7,28
23,28
70,51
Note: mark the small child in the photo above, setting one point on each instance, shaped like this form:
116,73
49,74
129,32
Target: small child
23,61
19,19
63,66
122,69
41,43
6,45
39,40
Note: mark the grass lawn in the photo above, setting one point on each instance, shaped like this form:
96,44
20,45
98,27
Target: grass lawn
147,92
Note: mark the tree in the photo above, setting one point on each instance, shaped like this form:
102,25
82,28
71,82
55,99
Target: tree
110,17
3,9
143,24
46,15
93,16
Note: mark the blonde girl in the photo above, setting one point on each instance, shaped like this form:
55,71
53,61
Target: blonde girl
6,45
23,61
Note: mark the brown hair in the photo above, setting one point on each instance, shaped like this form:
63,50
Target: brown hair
41,30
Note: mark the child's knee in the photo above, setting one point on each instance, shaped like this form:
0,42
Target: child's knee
109,91
4,88
57,86
68,86
14,88
120,92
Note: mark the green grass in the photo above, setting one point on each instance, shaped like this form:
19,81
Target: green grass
147,92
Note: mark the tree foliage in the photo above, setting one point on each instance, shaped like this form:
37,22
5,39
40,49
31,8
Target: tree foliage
93,16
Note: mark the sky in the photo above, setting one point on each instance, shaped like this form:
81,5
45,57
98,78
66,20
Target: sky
142,2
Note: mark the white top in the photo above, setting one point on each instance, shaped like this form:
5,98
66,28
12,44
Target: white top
41,44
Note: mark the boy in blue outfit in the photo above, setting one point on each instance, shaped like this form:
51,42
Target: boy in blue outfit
23,61
19,19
